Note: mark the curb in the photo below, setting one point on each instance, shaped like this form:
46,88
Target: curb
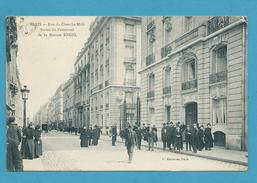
197,155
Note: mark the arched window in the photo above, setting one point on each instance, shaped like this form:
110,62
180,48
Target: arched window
219,59
189,70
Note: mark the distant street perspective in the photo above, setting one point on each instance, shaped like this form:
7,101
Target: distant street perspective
62,152
126,93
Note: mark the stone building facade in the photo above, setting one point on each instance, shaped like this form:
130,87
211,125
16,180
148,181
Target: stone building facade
194,70
68,102
106,72
14,102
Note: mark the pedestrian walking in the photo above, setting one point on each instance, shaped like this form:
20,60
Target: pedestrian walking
130,142
208,137
14,158
164,136
38,142
155,134
188,138
84,135
150,139
114,134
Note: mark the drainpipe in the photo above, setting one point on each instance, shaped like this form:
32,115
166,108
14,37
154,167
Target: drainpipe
244,89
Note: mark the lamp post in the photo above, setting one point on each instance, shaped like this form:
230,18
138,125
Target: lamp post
25,91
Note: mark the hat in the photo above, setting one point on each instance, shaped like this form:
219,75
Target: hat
10,119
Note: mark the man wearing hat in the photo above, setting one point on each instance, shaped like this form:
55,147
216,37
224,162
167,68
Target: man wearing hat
130,142
164,136
14,159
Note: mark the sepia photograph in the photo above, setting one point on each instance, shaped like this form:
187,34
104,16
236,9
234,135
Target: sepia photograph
126,93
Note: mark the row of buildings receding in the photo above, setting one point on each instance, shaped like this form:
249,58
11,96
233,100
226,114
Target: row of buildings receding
187,69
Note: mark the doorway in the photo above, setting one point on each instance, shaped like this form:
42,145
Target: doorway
191,113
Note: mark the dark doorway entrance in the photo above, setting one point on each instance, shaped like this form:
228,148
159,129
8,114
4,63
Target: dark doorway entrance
219,139
191,113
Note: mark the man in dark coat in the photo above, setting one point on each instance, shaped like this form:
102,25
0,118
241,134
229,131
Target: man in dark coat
164,136
114,134
177,138
150,139
208,137
139,135
90,135
188,138
38,142
200,142
84,137
130,142
14,159
194,137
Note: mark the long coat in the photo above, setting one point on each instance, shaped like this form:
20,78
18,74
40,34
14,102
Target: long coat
38,143
30,133
84,137
208,138
200,139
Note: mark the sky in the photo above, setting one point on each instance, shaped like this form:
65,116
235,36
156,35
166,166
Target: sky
45,56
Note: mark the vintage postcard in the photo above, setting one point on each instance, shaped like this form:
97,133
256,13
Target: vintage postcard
126,93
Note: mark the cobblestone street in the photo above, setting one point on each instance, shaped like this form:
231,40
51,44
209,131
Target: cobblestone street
63,153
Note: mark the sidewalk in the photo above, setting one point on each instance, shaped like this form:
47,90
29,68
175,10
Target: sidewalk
220,154
33,165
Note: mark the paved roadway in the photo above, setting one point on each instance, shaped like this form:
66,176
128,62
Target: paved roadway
63,153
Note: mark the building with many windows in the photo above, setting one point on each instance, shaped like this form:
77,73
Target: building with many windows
14,101
106,72
68,102
193,70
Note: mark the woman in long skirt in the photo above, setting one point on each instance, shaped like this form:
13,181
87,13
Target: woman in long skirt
84,137
38,142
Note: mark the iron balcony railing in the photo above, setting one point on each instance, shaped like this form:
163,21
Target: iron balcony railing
218,77
217,23
189,84
150,59
150,94
166,90
150,26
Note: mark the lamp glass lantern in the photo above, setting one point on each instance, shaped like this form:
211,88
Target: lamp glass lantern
25,92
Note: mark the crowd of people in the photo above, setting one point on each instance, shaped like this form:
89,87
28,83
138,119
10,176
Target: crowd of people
173,137
89,136
30,140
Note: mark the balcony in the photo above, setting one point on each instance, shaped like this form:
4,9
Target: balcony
107,83
150,94
189,85
130,60
217,23
150,59
130,37
131,82
13,88
166,50
218,77
150,26
166,90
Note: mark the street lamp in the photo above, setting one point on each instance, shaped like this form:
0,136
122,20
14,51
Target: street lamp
25,91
